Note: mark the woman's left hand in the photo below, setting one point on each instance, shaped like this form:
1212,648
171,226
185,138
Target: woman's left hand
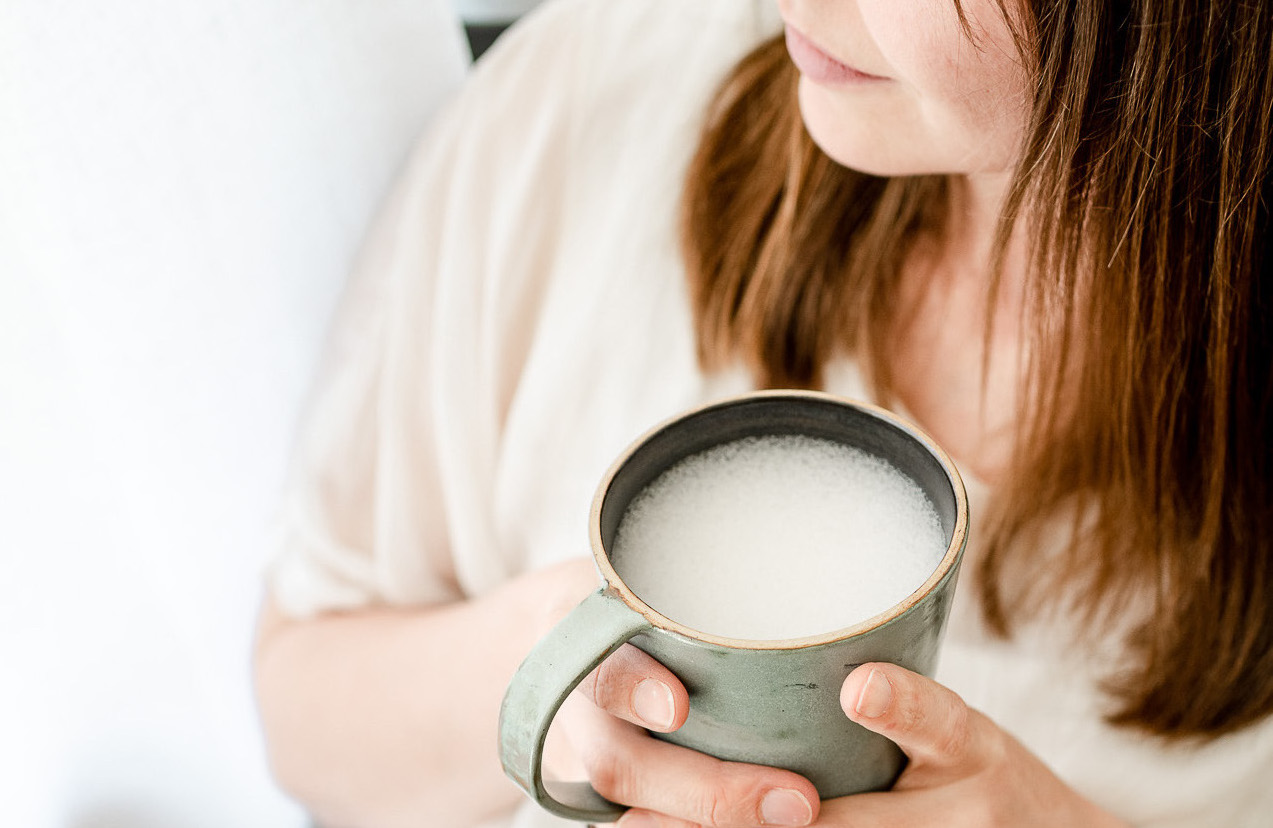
964,770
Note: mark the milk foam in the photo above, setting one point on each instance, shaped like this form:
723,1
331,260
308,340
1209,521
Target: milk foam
777,537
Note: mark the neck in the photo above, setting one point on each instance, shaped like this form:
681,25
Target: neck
964,260
976,202
955,358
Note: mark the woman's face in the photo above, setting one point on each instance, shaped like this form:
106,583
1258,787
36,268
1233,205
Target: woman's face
896,87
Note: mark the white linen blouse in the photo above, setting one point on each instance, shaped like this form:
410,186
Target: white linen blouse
520,314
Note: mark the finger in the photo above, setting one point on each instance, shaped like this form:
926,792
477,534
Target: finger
633,769
929,722
908,809
634,687
636,818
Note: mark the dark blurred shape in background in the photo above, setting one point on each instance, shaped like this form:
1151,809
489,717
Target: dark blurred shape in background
482,35
486,20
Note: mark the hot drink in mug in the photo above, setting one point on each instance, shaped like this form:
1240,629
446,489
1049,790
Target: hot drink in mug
761,548
730,541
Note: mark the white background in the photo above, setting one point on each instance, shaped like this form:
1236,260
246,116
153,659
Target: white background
493,11
182,187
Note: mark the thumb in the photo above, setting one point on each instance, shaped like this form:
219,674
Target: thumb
929,722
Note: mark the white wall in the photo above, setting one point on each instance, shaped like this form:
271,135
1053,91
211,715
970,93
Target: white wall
182,186
493,11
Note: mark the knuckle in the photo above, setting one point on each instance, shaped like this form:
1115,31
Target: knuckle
611,686
603,679
588,687
713,805
727,797
911,715
955,736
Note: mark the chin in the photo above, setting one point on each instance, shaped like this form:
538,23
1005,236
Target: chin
857,137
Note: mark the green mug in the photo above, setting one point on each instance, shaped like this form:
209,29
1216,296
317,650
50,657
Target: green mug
765,702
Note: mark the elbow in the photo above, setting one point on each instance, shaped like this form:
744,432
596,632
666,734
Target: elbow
275,680
294,700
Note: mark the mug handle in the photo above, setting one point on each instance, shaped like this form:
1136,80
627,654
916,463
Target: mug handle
583,639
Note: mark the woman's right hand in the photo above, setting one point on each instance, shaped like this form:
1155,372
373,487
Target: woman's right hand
601,734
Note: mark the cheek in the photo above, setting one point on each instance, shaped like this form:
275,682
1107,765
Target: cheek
951,106
983,107
968,101
971,100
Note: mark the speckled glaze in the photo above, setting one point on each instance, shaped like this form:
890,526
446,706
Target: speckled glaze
769,702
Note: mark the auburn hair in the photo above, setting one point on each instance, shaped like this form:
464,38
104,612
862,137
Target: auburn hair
1145,184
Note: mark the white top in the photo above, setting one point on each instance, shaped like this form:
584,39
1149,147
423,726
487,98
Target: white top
521,315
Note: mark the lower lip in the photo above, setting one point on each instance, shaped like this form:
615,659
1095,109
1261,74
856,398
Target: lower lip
819,67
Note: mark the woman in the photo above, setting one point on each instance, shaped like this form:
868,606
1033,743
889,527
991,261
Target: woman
1038,230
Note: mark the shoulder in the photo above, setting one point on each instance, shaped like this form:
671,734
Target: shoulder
577,87
583,114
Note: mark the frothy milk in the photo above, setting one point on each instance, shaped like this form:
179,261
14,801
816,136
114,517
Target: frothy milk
777,537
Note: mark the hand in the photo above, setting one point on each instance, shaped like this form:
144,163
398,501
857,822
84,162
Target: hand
600,733
964,770
604,726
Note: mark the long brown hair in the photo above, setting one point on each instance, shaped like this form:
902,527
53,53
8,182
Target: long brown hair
1146,183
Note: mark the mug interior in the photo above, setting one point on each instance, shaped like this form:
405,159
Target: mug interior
812,414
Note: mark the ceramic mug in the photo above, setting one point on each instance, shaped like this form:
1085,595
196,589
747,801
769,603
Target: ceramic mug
772,703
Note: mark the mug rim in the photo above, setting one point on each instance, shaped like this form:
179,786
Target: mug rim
954,549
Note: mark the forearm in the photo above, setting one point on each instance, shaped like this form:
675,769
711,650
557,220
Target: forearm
389,718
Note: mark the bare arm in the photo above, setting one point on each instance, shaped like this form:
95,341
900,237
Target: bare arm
388,717
380,719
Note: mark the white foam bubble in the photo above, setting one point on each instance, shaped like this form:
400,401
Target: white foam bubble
777,537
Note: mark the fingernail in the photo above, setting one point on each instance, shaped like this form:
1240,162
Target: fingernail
633,819
652,702
784,806
876,694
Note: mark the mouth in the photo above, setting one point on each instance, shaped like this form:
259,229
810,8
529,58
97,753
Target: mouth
819,67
